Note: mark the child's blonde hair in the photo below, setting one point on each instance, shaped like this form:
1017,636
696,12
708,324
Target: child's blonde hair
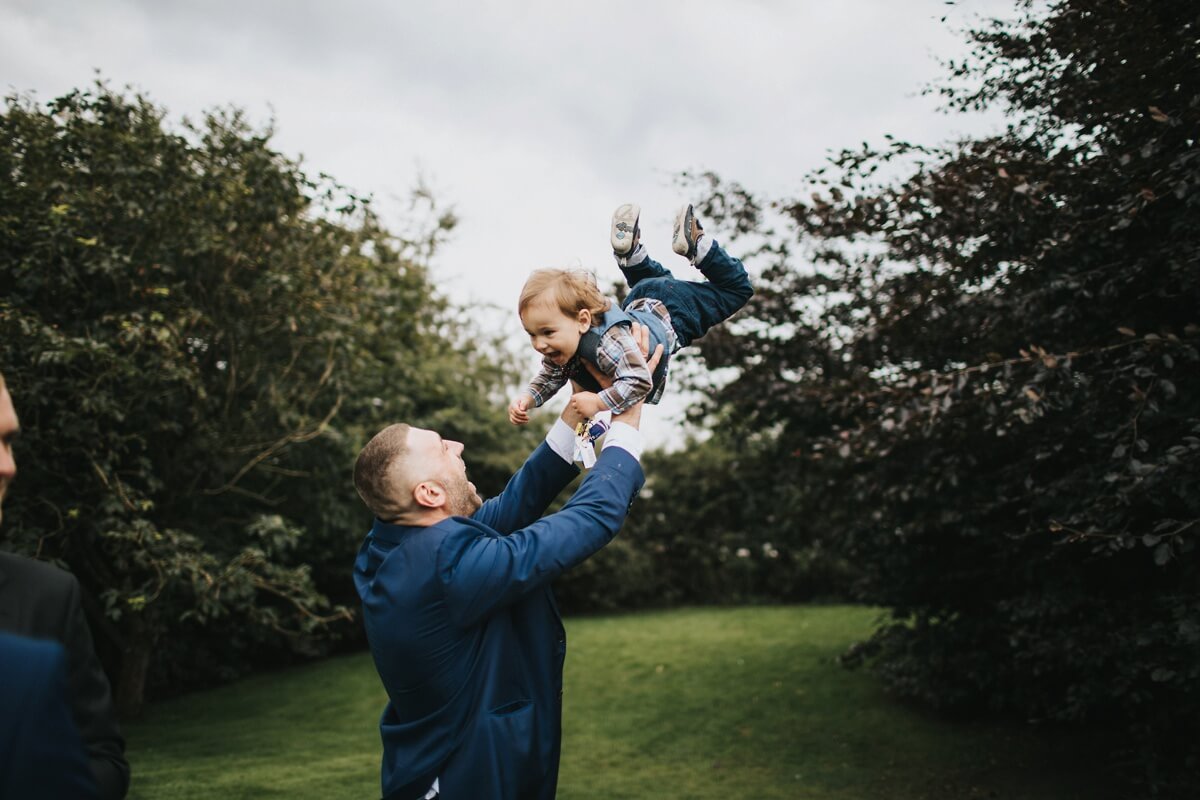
572,291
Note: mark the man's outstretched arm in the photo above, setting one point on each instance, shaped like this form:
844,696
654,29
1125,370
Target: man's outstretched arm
550,468
530,491
485,572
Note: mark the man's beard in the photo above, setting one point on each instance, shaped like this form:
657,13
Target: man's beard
461,499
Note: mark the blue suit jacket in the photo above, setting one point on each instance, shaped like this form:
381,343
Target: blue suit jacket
41,755
467,638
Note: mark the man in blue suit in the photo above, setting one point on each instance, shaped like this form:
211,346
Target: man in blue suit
458,609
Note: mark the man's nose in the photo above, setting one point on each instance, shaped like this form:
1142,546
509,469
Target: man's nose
8,465
457,447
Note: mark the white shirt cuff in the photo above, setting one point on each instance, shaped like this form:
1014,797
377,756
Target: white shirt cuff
561,439
626,437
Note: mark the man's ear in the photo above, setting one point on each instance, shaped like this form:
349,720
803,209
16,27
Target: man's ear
429,494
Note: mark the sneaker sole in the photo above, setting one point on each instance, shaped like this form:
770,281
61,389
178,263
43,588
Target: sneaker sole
624,228
681,241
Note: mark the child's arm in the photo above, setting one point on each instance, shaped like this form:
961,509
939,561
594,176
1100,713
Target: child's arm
619,356
550,379
518,409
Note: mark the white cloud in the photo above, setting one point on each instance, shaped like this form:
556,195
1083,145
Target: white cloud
533,119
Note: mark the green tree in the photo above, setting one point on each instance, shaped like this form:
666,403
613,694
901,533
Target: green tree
199,337
713,524
983,375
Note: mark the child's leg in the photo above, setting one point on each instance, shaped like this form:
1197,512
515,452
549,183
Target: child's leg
726,276
697,306
631,255
639,266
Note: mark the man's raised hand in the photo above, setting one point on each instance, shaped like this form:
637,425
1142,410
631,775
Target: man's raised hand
585,404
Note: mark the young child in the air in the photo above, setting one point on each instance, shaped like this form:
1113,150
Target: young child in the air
579,331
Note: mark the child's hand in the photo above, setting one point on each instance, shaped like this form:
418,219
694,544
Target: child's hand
518,409
587,404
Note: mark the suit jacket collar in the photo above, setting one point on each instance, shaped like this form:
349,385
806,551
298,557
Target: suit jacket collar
7,611
394,534
3,569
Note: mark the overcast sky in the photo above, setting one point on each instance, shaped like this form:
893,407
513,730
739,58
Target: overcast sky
532,119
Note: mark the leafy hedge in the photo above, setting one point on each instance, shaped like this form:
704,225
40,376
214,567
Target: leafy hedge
198,338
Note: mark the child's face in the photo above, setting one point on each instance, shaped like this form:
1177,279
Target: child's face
553,333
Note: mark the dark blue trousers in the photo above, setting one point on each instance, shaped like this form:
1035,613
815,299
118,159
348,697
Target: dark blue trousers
695,306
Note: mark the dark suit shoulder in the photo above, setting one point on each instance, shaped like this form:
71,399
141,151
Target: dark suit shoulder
39,579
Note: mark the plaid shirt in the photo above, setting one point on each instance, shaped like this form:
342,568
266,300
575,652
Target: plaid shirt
619,357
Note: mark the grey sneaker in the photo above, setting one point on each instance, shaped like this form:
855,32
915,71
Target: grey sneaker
687,232
625,231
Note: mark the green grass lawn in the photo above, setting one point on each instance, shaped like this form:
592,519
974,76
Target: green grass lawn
706,703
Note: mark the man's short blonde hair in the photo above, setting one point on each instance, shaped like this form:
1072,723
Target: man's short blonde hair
380,474
571,290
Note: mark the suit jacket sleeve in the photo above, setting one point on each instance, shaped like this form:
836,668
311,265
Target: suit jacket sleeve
483,572
528,493
92,702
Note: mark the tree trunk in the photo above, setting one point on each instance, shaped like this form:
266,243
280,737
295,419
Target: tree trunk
135,664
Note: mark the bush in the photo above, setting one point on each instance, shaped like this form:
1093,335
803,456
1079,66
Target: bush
198,338
989,372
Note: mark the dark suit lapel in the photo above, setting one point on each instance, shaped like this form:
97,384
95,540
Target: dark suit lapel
7,606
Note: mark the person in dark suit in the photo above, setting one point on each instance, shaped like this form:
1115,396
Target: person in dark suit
41,601
458,609
41,755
